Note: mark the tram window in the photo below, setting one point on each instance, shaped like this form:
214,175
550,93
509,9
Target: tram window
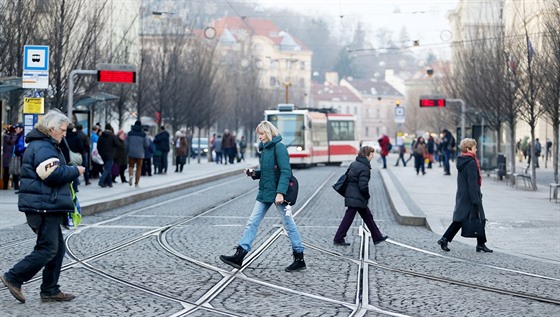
291,127
342,130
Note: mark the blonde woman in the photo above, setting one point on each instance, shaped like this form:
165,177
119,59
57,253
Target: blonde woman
273,176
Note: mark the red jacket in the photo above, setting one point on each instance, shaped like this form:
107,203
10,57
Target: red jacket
383,142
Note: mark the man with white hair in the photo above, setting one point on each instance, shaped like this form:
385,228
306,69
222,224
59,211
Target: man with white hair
46,199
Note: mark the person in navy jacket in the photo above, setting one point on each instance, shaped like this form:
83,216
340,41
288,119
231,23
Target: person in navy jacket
46,199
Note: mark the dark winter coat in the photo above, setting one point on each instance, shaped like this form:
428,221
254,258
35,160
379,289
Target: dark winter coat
51,194
162,141
468,198
8,148
274,174
107,145
357,191
120,153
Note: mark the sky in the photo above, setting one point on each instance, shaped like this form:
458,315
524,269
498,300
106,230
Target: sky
425,20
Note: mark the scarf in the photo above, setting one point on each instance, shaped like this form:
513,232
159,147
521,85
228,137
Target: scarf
477,165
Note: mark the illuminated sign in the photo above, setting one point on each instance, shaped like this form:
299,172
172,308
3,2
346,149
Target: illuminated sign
425,102
116,76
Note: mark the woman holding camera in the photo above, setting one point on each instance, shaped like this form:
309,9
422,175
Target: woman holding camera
273,176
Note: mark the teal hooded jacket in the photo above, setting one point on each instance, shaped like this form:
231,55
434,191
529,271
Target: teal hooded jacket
274,175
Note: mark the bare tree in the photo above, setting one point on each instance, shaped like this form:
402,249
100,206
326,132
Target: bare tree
550,99
17,19
530,83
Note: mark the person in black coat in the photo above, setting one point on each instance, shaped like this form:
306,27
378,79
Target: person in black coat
72,142
107,147
162,145
357,197
468,198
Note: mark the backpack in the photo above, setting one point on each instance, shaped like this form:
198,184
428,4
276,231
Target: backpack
389,147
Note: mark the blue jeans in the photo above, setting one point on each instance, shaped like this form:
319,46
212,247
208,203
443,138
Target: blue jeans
106,178
47,255
255,220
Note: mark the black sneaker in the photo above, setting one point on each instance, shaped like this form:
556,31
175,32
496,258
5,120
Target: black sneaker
380,240
341,243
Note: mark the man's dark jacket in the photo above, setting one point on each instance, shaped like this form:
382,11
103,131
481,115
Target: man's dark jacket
51,194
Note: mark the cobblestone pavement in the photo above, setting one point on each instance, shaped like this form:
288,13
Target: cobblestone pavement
159,257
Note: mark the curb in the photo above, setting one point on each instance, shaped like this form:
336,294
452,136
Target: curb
398,206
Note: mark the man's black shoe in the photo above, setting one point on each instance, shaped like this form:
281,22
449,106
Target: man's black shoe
380,240
341,243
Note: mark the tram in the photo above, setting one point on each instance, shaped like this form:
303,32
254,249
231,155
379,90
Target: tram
315,136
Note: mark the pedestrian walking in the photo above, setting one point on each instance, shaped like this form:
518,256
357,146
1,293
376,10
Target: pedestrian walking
85,154
356,198
107,146
384,143
273,176
420,154
468,200
218,149
228,146
242,148
72,143
136,144
96,168
448,148
181,151
8,143
121,159
18,151
402,151
162,145
148,155
45,198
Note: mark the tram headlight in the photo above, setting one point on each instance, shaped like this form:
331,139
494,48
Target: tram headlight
299,148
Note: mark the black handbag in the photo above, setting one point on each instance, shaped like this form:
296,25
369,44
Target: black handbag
341,184
291,194
473,227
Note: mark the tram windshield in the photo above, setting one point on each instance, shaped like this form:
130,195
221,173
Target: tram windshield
291,126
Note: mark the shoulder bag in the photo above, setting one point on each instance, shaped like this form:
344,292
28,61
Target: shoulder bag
293,187
473,227
342,183
75,158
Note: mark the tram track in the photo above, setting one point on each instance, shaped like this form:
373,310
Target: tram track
359,307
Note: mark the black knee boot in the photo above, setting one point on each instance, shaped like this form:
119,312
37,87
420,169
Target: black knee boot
299,263
235,260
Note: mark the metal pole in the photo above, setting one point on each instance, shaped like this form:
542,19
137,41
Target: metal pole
71,87
482,145
463,110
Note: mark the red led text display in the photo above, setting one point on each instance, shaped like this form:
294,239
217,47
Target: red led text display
432,103
116,76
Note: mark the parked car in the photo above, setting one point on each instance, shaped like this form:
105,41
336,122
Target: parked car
203,146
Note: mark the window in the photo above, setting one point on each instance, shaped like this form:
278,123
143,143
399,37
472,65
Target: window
302,65
341,130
